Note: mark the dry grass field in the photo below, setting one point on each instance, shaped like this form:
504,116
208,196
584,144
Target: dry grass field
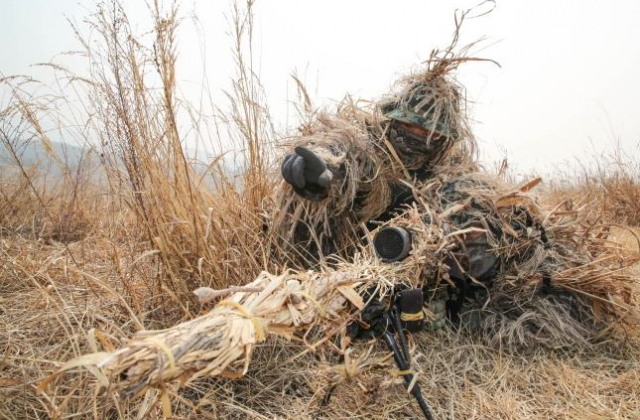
86,261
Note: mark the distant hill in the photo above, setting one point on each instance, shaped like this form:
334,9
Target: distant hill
34,153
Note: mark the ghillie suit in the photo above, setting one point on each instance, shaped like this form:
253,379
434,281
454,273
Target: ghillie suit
374,164
504,269
556,281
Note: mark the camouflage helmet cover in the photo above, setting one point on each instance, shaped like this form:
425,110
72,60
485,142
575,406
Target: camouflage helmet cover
421,105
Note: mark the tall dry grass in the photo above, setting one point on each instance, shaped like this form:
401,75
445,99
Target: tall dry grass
87,262
203,236
608,182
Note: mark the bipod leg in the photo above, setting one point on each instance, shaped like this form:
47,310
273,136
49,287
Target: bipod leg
397,325
404,367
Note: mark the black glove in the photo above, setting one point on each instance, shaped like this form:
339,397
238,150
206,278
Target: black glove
307,173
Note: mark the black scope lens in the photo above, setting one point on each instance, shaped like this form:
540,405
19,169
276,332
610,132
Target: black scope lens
392,243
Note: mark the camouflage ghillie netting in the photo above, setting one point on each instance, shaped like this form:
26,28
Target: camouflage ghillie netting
556,280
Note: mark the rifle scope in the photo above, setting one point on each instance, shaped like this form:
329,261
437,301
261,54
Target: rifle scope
392,243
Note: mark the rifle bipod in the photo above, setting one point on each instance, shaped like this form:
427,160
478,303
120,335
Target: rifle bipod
386,320
403,359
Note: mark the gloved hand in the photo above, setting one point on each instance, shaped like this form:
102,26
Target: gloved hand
307,173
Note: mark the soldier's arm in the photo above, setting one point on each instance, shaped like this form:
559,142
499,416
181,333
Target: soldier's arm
358,187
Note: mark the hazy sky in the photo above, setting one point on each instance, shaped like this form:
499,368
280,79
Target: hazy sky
568,86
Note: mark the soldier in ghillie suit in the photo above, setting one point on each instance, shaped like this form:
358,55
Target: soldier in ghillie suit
354,170
355,167
413,153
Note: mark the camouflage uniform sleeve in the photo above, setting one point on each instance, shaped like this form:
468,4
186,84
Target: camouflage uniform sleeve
360,189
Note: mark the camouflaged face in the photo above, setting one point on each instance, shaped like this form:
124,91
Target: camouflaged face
418,152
